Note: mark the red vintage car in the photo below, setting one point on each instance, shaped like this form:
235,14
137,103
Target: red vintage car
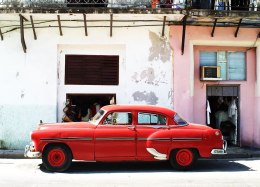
125,133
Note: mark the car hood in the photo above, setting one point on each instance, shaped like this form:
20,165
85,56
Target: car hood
59,126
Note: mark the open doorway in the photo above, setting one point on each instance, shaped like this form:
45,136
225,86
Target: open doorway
223,111
84,106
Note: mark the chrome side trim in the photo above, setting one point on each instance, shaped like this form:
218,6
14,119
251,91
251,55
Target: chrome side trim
115,139
169,139
158,126
156,154
141,139
186,139
154,139
67,139
159,139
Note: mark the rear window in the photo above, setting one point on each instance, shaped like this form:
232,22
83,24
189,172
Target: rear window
179,120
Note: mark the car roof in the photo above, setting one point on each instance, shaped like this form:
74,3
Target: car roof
147,108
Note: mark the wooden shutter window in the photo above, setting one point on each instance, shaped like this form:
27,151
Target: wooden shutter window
91,70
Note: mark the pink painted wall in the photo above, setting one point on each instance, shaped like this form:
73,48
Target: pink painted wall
192,105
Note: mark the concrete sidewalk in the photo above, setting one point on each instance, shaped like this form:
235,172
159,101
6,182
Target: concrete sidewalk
241,152
232,152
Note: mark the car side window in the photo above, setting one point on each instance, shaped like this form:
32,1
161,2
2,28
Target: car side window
118,118
151,119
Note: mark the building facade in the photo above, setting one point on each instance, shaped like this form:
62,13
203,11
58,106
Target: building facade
34,84
240,61
144,53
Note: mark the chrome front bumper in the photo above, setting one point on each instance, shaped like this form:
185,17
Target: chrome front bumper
29,152
220,151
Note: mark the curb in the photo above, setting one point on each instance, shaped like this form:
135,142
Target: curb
19,154
236,156
12,154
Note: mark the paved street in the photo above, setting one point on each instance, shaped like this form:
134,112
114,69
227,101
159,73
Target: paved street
29,172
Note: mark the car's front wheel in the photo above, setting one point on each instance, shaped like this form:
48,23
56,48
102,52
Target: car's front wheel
57,158
183,159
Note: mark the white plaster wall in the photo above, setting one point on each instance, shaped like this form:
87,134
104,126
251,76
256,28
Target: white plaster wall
32,84
28,88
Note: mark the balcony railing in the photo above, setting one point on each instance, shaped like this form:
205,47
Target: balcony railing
245,5
221,5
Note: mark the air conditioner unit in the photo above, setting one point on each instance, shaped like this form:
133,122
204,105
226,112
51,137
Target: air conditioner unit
210,73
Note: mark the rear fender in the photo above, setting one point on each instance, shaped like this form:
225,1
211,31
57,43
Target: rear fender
160,141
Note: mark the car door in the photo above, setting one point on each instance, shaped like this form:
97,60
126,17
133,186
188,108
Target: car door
115,137
151,127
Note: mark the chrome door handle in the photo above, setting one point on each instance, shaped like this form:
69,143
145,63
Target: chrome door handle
131,128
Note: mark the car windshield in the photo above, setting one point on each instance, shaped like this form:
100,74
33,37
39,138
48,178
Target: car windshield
179,120
95,120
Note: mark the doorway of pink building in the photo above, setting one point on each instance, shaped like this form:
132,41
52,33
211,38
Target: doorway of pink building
222,111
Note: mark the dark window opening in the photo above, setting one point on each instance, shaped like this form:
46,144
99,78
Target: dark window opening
83,107
91,70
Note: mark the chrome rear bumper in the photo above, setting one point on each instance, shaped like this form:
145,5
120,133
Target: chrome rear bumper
220,151
30,153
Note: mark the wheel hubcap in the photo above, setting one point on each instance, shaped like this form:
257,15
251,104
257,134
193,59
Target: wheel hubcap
56,157
184,157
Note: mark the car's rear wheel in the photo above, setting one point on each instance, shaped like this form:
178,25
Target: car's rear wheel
57,158
183,159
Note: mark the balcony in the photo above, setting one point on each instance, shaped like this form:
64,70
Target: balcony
245,13
220,5
152,13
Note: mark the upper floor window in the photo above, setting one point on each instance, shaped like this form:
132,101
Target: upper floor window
151,119
232,64
91,70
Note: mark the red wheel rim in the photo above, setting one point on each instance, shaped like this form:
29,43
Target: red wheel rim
184,157
56,157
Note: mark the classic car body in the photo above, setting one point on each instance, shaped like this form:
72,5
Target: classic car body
125,133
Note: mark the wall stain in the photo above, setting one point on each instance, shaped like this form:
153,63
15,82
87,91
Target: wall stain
160,49
148,76
17,74
22,94
171,96
148,97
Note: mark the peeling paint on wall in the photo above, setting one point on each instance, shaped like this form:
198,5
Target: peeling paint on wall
160,49
148,97
148,76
